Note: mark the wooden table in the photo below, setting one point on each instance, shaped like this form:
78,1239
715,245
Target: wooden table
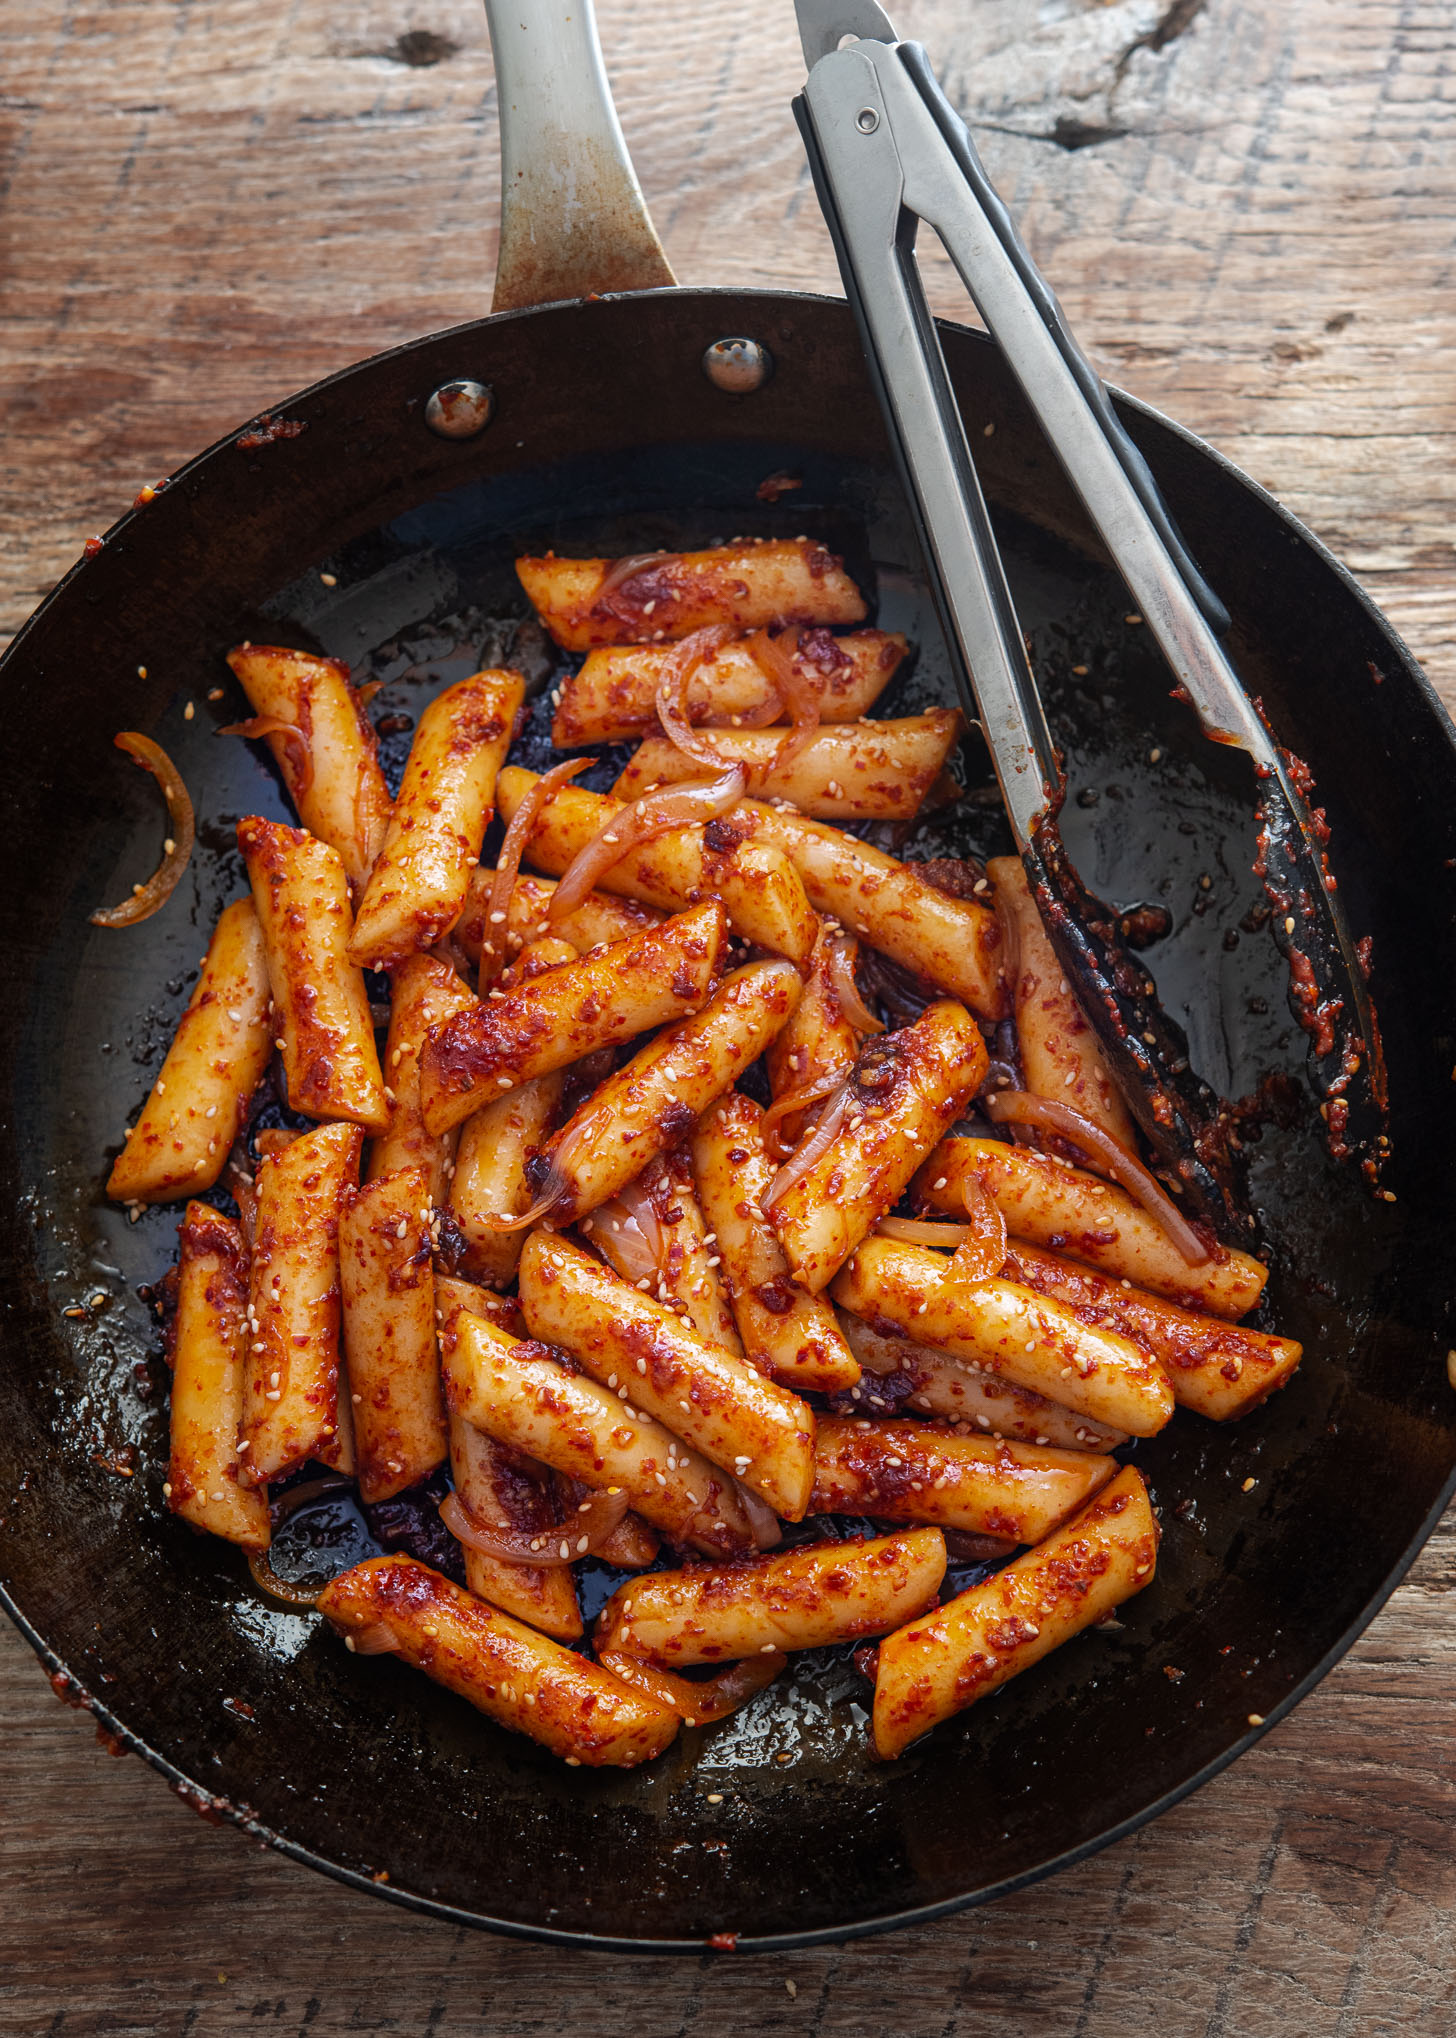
1247,209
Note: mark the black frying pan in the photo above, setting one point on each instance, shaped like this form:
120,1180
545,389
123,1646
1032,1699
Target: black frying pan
607,436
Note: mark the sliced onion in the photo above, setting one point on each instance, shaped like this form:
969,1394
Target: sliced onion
802,695
1020,1107
697,1704
364,694
797,1099
300,750
678,670
636,1200
629,1245
982,1252
300,1496
843,949
768,1531
378,1639
159,887
912,1231
684,806
810,1148
547,1549
549,1196
508,864
619,571
267,1580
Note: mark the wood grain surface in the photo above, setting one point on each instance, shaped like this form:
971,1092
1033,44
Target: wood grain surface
1249,211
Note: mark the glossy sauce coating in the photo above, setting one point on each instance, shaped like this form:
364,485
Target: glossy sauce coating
805,1598
1070,1211
851,771
339,793
569,1012
520,1678
387,1280
956,943
185,1131
523,1395
904,1090
423,992
1010,1330
416,890
904,1470
785,1331
614,696
755,1430
296,1404
751,584
208,1350
653,1102
760,889
330,1062
963,1650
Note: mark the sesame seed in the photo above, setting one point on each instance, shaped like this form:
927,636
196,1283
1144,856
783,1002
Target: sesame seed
939,1183
1249,1485
189,711
329,579
715,1797
1256,1719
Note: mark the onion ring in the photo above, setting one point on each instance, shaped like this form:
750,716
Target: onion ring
981,1254
684,806
508,864
917,1231
300,1496
843,949
545,1548
810,1148
300,750
1020,1107
267,1580
619,571
965,1547
678,670
797,1099
378,1639
177,851
774,657
696,1704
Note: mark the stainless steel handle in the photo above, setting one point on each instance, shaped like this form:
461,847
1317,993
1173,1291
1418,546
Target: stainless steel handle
573,218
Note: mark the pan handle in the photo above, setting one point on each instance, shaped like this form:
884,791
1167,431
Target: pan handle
573,219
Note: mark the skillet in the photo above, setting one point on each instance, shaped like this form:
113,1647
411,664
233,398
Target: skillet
607,436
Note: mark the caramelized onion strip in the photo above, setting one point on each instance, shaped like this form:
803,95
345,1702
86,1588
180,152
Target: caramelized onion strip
1020,1107
684,806
508,864
547,1548
915,1231
981,1254
267,1580
811,1146
177,852
797,1099
619,571
630,1244
697,1704
802,696
843,950
672,694
299,748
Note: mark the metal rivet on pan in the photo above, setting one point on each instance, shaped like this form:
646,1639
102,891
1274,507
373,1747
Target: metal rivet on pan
867,120
458,410
737,365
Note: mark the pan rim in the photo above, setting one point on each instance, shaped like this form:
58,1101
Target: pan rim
205,1800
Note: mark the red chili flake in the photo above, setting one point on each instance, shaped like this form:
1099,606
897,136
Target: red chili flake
92,547
724,1942
264,430
775,485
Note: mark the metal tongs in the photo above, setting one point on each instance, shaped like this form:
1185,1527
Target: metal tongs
887,150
